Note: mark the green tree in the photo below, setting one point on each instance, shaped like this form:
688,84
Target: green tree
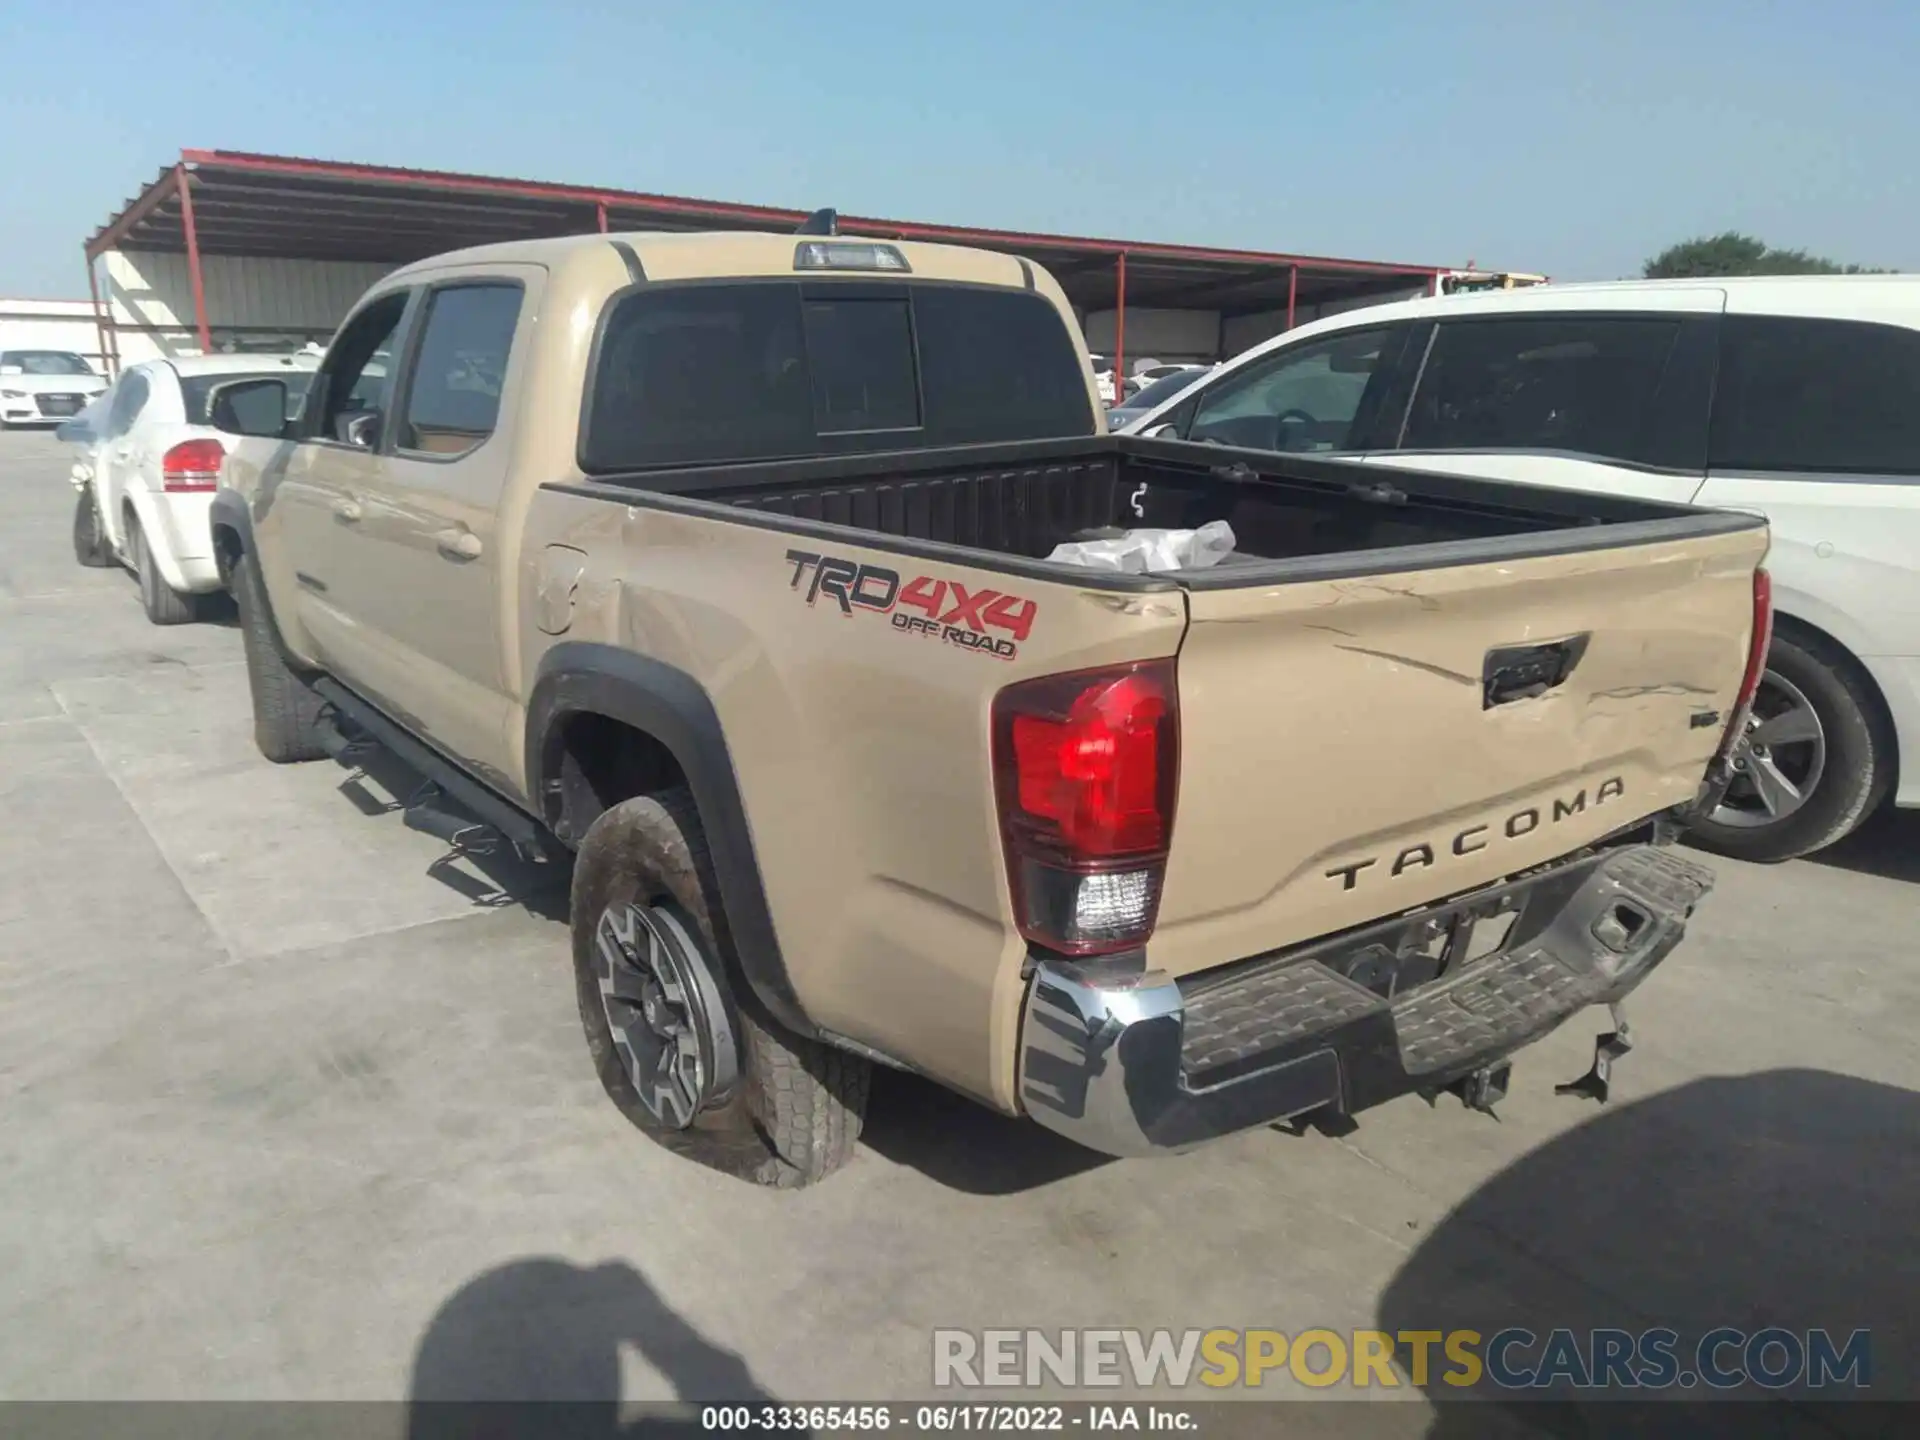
1732,253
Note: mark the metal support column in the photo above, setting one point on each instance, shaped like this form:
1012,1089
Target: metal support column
600,213
99,322
1293,291
1120,330
193,259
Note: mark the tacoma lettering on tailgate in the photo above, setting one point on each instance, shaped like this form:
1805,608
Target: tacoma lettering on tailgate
1477,837
947,610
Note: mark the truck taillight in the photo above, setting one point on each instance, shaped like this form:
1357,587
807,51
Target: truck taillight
1085,767
1762,637
1759,640
192,465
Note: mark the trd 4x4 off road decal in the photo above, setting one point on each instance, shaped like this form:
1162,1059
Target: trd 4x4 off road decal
947,610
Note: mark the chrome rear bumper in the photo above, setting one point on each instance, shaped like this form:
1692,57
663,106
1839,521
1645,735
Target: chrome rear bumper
1124,1059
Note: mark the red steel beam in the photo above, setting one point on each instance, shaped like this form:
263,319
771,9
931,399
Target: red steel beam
193,260
600,214
719,209
143,205
99,323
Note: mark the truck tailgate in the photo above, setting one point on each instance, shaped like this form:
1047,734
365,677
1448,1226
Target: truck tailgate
1342,757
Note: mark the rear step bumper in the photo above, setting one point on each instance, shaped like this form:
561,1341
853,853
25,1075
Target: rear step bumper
1128,1061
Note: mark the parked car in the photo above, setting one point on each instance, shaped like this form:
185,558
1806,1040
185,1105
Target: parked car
150,463
1103,376
1152,370
733,587
1798,399
45,387
1172,380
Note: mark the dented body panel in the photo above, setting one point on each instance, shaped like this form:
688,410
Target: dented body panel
861,750
1344,723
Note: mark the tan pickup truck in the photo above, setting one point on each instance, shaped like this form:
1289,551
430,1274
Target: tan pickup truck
720,562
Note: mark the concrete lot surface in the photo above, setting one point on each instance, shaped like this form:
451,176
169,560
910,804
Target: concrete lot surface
288,1109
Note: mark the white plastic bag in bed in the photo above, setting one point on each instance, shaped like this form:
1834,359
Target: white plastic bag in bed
1143,552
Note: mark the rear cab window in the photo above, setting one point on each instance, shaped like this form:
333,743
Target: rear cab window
742,370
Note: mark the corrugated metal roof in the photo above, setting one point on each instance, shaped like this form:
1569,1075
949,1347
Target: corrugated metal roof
287,207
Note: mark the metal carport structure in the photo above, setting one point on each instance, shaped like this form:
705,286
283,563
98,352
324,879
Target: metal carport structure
214,203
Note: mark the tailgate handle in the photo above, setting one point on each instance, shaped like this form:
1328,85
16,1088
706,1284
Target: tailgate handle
1520,672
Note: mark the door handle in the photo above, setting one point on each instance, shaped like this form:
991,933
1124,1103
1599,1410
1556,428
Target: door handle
459,544
1520,672
347,510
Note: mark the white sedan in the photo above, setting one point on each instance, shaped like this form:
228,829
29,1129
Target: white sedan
150,466
44,387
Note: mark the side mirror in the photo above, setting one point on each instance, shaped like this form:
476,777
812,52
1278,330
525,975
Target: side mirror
1161,432
360,428
12,370
249,407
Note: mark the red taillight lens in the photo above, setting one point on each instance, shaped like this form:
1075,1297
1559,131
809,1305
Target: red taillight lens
192,465
1762,636
1085,767
1759,640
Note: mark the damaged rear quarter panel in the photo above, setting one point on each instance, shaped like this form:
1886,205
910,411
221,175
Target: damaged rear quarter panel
861,745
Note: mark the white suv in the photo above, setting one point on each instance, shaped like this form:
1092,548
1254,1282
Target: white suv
1797,398
150,467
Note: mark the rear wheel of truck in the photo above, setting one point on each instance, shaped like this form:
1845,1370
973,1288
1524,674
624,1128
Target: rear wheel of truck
1815,761
689,1056
286,710
90,545
164,604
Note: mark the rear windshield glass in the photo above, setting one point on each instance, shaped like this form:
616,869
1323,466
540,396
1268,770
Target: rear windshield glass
197,390
705,374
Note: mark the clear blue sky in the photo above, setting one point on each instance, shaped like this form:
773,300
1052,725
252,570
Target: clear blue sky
1547,135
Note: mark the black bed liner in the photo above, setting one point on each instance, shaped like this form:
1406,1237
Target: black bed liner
1294,517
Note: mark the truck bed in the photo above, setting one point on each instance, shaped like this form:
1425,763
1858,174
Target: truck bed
1292,516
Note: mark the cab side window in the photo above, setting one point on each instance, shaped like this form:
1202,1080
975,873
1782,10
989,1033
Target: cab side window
1834,396
453,393
1574,383
347,401
1311,397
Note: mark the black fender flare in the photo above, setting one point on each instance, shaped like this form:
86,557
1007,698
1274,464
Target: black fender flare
229,512
583,677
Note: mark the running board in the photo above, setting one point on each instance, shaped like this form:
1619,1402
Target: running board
489,810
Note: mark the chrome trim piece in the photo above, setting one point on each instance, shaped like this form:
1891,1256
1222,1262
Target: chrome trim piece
1074,1076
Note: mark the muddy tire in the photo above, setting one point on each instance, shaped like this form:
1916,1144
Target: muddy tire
791,1114
286,710
1830,766
164,605
90,545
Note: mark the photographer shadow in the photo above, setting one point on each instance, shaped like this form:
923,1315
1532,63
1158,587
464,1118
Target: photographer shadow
1784,1199
533,1347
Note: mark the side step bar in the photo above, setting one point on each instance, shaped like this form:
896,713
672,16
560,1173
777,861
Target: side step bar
487,808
